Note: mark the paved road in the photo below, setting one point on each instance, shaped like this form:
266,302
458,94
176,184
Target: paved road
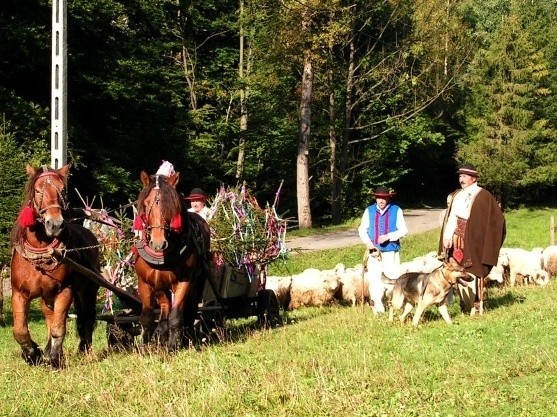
418,221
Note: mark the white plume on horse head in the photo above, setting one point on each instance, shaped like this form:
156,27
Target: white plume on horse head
166,169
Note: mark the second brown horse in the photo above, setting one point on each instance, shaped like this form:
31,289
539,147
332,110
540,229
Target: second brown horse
172,253
35,273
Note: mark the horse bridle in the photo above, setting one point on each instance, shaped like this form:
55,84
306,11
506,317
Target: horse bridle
156,200
39,209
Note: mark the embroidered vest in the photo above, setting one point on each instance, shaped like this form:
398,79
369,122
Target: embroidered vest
381,224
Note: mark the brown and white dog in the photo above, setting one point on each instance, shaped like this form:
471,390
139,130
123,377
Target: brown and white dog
422,290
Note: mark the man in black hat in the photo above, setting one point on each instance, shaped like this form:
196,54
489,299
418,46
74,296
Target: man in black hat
381,228
473,232
198,201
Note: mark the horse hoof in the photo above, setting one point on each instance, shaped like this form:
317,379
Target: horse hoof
85,347
33,356
55,362
171,348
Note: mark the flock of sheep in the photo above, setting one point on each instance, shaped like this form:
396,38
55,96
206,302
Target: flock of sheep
314,287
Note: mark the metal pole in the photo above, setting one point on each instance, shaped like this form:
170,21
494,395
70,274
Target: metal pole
59,86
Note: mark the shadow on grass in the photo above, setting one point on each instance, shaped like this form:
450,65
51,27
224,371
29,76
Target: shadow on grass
230,331
493,302
504,300
240,330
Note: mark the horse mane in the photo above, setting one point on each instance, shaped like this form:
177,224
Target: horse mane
18,232
171,200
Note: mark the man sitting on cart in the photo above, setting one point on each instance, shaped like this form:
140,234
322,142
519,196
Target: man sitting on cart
198,202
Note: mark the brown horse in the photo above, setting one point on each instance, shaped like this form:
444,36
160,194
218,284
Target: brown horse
39,229
173,253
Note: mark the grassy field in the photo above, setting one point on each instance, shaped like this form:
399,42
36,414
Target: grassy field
336,361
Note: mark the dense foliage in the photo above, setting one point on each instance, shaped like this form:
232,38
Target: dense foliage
401,92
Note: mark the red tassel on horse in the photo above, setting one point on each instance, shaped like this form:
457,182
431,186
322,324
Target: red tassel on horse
27,217
176,222
137,223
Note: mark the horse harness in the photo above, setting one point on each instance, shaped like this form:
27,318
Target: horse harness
41,258
186,243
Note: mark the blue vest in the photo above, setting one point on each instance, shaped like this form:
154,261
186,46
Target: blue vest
381,224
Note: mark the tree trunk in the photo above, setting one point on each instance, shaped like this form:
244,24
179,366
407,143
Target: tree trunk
302,163
243,106
348,106
336,206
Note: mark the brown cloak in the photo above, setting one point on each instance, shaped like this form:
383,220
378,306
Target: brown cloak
484,235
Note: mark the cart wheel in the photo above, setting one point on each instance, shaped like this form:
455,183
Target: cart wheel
268,309
120,336
211,324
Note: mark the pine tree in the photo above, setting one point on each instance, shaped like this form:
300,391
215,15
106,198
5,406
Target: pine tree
510,138
12,183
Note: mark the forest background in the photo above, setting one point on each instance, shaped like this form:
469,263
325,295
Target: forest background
324,99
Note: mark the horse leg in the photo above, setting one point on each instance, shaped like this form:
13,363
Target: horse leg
191,309
85,303
56,316
175,319
147,316
47,312
30,351
161,331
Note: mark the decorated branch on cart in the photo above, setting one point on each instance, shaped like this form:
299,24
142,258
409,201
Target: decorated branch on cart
244,235
113,231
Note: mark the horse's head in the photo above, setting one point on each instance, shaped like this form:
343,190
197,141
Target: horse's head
46,197
159,206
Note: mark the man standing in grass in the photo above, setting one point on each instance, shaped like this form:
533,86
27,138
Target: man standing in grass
473,232
381,228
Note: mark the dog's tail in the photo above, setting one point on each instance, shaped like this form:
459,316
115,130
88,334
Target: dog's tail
386,280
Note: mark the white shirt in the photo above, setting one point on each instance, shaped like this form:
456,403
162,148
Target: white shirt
203,213
461,206
401,229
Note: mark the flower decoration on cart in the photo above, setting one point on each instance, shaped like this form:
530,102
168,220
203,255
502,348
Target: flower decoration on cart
115,245
244,235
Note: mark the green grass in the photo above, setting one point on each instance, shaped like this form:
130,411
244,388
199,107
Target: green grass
335,361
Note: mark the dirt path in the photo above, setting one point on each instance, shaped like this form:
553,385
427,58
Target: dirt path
418,221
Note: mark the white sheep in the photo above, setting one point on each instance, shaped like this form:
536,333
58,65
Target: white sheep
540,277
423,264
355,285
314,288
281,287
549,256
500,271
525,266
